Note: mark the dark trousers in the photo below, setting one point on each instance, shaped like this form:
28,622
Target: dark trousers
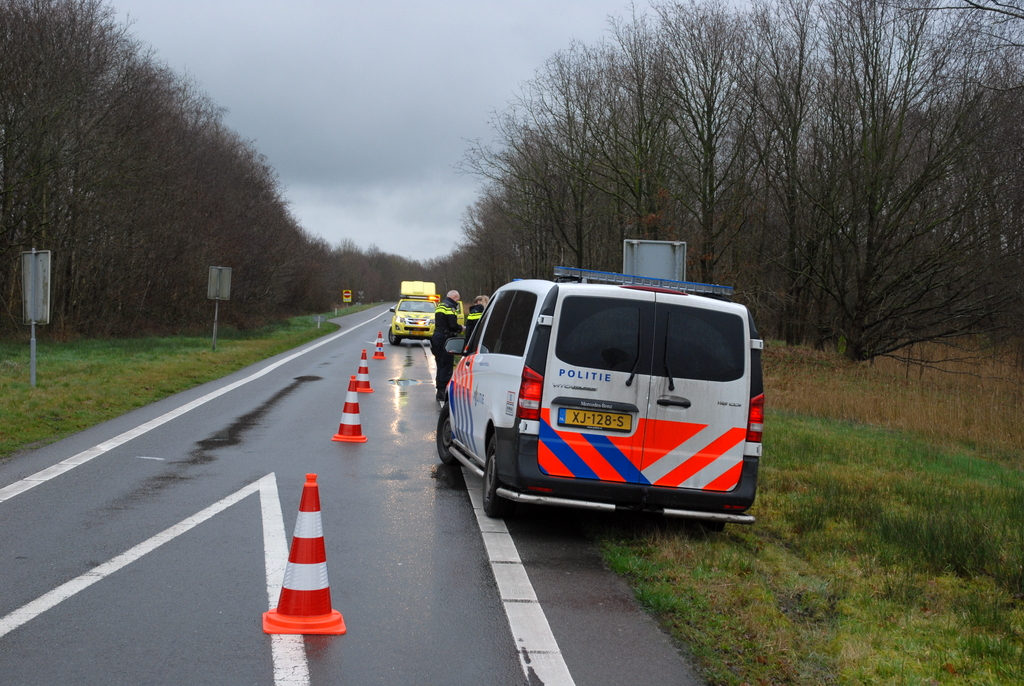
445,364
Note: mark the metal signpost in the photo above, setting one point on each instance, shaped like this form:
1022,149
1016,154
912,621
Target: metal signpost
35,288
219,288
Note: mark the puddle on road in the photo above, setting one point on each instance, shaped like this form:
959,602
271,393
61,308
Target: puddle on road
404,382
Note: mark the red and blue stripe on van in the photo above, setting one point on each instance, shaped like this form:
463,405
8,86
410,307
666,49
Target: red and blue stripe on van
659,453
460,399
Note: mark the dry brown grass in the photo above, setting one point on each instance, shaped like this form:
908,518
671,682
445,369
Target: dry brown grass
972,397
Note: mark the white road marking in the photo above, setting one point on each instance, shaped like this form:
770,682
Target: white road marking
288,650
63,592
143,457
538,650
81,458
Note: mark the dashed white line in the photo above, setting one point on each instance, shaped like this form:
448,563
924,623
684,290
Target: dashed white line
539,654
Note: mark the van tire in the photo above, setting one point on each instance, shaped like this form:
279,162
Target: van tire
393,339
444,436
495,506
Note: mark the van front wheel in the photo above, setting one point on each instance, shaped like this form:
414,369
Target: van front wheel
495,506
444,436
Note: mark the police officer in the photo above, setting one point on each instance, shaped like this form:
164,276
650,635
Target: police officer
446,325
475,312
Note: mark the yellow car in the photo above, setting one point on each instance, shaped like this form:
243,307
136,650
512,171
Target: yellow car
413,318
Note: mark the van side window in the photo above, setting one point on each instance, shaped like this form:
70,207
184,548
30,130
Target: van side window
495,320
601,333
699,344
508,327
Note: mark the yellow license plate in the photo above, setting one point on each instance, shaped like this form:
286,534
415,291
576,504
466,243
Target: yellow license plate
590,419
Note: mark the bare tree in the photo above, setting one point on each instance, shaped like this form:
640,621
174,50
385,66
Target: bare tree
900,114
708,53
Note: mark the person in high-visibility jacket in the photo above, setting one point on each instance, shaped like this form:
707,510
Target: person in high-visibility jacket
476,311
446,325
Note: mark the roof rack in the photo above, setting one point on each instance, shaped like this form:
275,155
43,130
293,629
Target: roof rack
572,274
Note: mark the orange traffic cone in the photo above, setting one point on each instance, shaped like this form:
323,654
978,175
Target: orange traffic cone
349,429
305,603
378,354
363,377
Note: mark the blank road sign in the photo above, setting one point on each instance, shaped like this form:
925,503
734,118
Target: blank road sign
220,284
35,286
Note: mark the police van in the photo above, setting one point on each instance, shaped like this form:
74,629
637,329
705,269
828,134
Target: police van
631,394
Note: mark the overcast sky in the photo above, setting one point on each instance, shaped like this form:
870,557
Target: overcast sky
365,109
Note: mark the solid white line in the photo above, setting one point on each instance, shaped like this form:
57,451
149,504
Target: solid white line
44,602
81,458
539,654
288,650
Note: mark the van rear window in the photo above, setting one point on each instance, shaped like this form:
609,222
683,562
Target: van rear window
694,343
602,333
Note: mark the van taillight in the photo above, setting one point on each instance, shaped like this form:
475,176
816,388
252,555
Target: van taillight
529,394
755,423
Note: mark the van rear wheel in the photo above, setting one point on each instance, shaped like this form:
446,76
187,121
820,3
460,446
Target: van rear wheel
495,506
444,436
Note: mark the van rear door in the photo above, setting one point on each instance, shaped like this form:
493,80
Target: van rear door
596,384
699,395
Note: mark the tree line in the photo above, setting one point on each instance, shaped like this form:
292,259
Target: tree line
852,167
127,173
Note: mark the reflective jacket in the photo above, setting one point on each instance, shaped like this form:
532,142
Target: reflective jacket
446,320
473,318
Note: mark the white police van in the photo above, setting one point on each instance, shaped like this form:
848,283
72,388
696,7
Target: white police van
631,396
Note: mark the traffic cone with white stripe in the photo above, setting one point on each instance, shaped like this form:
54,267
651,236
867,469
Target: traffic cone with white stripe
349,429
378,354
305,603
363,377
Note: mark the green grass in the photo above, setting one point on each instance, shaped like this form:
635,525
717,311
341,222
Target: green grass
877,558
82,383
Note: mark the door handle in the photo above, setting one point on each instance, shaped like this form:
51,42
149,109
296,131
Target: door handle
674,402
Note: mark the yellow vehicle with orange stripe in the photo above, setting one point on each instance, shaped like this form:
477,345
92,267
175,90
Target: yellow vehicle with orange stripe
414,314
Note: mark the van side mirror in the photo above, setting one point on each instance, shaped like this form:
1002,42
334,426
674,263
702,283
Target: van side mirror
391,309
455,346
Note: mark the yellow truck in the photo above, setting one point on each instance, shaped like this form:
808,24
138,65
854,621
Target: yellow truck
414,314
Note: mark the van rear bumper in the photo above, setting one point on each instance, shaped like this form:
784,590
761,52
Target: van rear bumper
609,507
524,482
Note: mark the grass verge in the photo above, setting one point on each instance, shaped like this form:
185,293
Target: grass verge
880,556
82,383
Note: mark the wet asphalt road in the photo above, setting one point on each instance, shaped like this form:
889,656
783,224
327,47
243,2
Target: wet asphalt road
408,568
